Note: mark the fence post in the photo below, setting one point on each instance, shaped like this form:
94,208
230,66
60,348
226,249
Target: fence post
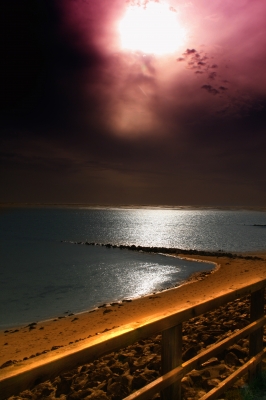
171,358
256,338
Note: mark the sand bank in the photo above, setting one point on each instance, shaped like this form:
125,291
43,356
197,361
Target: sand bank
22,343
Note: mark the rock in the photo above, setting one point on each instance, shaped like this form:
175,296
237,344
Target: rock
32,327
216,371
8,363
80,394
99,375
44,390
191,393
141,363
208,339
206,373
32,324
200,393
138,382
92,384
118,391
155,364
63,386
196,377
189,353
55,348
107,311
80,381
27,394
123,357
150,374
187,381
97,395
117,370
209,384
102,386
240,352
231,359
211,361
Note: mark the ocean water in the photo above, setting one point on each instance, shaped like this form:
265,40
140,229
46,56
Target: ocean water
43,274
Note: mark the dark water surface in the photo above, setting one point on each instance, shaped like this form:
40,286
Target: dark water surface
42,277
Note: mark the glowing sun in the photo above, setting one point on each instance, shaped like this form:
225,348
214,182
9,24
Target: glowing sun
152,29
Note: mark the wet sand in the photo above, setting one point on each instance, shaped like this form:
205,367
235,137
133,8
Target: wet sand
21,343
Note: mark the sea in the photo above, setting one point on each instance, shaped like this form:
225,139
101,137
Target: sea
45,274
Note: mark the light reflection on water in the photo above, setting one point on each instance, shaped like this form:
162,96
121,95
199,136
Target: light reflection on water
42,277
77,278
185,229
150,278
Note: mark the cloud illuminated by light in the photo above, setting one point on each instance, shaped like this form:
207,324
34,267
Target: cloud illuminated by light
151,29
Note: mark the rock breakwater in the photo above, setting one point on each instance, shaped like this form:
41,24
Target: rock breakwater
168,250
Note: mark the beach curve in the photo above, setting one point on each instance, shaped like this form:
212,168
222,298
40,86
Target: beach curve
20,344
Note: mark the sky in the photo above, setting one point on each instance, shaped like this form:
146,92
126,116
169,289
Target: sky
133,102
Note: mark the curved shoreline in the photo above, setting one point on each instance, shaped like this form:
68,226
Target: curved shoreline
116,297
35,339
198,275
183,254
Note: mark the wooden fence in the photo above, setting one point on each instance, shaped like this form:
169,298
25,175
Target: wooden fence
21,376
174,370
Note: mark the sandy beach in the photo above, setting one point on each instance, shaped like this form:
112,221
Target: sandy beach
37,338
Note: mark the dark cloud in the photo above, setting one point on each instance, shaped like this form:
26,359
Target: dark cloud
210,89
197,60
189,51
212,75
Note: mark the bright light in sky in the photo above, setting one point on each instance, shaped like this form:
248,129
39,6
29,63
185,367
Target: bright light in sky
153,29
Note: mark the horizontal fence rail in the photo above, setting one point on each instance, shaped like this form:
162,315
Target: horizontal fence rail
23,375
178,373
